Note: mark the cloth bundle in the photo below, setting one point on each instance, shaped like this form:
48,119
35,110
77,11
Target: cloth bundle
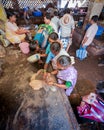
91,108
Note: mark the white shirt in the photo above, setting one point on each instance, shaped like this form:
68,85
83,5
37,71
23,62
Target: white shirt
66,28
90,33
54,26
54,60
11,27
55,20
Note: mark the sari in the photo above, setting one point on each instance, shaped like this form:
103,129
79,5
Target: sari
14,38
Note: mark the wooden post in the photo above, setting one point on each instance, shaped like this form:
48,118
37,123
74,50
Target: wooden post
97,7
88,13
94,8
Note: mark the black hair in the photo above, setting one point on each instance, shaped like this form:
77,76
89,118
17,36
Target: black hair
10,14
55,47
48,16
64,60
56,13
95,18
53,36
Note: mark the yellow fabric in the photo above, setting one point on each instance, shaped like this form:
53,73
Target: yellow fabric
2,13
10,29
16,38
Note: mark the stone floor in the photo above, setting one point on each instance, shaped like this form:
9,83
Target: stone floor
22,108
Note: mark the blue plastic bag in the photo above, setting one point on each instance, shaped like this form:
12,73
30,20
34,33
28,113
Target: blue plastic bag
37,13
81,53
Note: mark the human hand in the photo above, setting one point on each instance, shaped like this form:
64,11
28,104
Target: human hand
21,28
27,31
44,74
82,45
24,30
47,77
50,83
37,47
43,55
70,36
54,72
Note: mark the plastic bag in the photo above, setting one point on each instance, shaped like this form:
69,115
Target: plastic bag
81,53
91,108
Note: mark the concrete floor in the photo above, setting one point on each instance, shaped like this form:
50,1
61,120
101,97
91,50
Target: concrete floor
88,76
17,70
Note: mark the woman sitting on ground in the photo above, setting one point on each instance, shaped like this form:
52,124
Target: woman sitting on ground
13,33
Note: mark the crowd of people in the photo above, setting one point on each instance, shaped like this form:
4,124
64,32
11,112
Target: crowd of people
52,41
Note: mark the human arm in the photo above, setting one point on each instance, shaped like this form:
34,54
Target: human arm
54,72
14,28
45,66
43,55
67,84
49,58
72,26
69,44
21,31
88,34
84,40
72,31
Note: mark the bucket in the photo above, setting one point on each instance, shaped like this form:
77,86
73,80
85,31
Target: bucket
33,58
24,47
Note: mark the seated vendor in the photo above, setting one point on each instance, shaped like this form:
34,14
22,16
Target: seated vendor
13,33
